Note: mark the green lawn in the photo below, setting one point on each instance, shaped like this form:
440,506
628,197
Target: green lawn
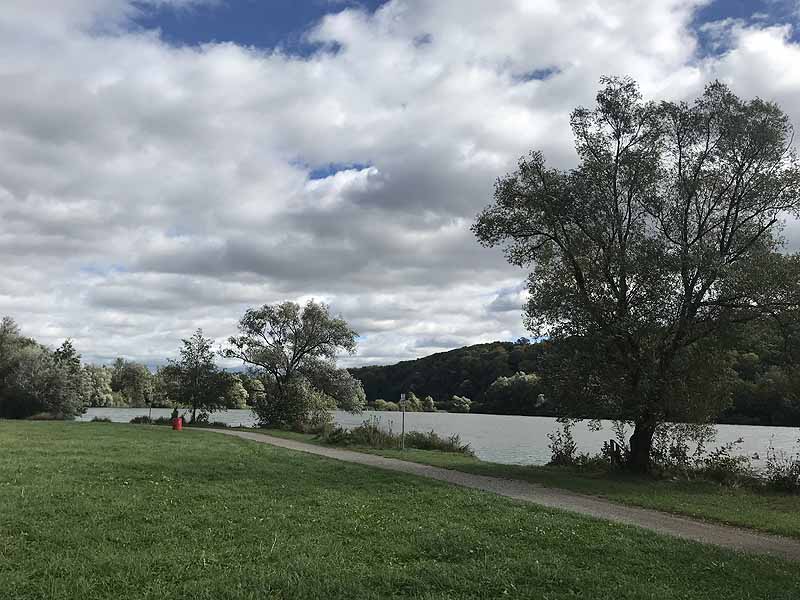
744,507
95,510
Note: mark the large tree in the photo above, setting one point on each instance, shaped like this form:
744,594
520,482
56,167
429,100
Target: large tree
665,233
34,379
294,350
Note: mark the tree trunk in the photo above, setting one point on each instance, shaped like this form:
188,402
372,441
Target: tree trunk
641,444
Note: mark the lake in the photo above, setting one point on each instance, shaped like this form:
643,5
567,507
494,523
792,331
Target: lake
496,438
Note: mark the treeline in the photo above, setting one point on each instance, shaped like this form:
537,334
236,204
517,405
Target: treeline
291,381
525,378
497,378
35,380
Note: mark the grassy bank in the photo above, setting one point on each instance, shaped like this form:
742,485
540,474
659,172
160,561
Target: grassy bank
762,510
95,510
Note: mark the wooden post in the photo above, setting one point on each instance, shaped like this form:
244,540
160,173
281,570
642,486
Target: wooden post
403,428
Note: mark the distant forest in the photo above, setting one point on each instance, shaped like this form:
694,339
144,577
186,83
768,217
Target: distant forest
764,384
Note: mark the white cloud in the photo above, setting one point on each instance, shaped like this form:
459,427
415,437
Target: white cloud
146,190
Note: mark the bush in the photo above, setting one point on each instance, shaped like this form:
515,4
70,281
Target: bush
383,405
782,472
142,420
460,404
219,424
433,441
162,421
371,435
563,448
725,467
298,407
100,420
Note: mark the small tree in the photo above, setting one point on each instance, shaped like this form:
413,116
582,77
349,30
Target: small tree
294,349
664,235
195,380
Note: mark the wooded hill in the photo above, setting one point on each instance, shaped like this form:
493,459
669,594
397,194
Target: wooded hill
467,371
764,385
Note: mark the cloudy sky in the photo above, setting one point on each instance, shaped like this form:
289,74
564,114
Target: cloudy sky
165,164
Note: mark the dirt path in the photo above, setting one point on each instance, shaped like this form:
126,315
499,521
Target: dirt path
729,537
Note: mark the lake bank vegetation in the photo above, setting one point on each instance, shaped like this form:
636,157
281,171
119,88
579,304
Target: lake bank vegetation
292,380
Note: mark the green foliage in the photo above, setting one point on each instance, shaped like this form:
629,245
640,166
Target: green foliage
430,440
370,434
292,350
782,472
36,380
467,371
255,389
459,404
100,392
665,233
563,448
141,420
195,380
132,383
296,405
236,395
381,404
519,394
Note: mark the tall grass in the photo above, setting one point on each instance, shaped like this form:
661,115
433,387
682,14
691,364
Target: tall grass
370,434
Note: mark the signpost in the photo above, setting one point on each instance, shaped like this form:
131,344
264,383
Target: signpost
403,430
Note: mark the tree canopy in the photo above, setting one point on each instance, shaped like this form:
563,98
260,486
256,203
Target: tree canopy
664,235
35,379
194,380
294,349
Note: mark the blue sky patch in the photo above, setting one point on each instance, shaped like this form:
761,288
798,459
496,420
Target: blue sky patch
265,24
323,171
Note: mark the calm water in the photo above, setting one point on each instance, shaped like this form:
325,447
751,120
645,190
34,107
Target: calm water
496,438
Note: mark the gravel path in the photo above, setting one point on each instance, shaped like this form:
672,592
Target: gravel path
729,537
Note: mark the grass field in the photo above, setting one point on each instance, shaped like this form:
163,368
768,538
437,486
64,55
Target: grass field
761,510
95,510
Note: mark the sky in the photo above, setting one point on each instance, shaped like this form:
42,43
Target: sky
165,164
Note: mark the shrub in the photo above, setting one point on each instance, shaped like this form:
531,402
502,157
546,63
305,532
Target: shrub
219,424
100,420
433,441
460,404
142,420
299,406
370,434
381,404
162,421
782,471
725,467
563,448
